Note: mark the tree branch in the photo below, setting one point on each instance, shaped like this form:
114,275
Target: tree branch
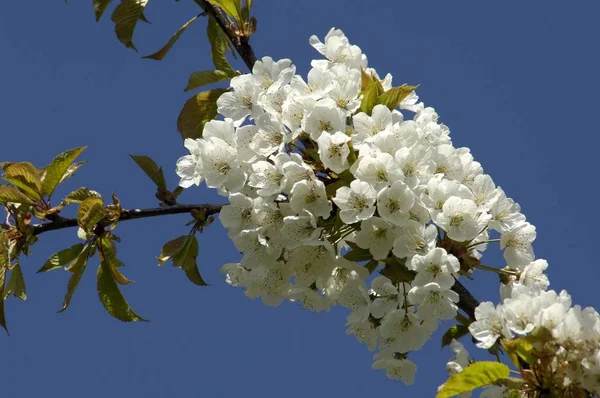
241,44
133,214
467,302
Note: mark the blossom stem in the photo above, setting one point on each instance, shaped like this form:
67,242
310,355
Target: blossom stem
482,242
495,270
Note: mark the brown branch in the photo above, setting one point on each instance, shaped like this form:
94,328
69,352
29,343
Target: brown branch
133,214
240,43
467,302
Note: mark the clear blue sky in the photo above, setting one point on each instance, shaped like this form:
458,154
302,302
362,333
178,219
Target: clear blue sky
517,82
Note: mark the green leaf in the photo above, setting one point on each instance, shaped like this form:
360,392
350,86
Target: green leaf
218,47
77,269
520,350
455,332
193,274
183,251
57,169
89,213
231,7
512,383
332,188
108,254
160,54
125,17
16,284
10,194
396,270
2,314
71,171
394,96
196,112
245,14
358,254
199,79
25,177
111,297
81,194
171,248
186,257
370,89
99,7
476,375
372,266
151,169
62,258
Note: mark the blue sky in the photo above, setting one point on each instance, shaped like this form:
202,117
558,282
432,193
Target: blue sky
515,81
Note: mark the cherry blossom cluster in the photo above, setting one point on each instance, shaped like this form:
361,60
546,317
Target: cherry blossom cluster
322,194
565,337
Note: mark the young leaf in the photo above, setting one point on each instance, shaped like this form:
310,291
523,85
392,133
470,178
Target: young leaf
151,169
369,100
125,17
160,54
89,213
358,254
332,188
171,248
196,112
520,350
218,47
2,315
372,266
476,375
394,96
455,332
183,251
231,7
193,274
10,194
111,297
107,252
81,194
62,258
25,177
397,271
57,169
99,7
77,269
16,284
245,14
71,171
199,79
186,257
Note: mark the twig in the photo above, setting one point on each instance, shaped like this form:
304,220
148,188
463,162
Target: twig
133,214
467,302
240,43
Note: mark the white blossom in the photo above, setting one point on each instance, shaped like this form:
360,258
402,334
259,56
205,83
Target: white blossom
356,202
310,196
334,151
435,266
377,235
516,244
395,202
489,325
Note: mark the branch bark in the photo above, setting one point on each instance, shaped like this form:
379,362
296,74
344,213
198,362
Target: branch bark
241,44
133,214
466,302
